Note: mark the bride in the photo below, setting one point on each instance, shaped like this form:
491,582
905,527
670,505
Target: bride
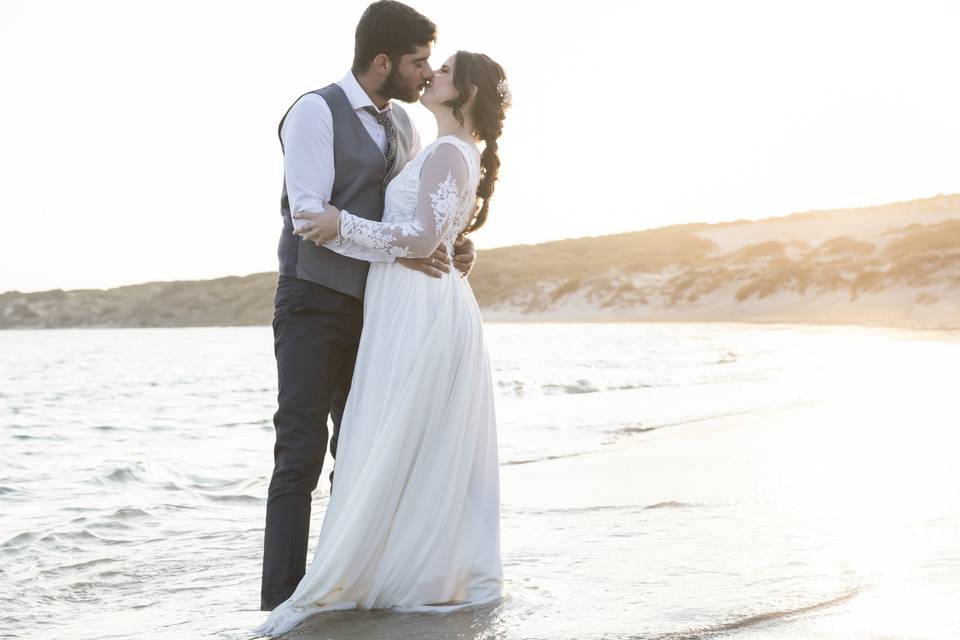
413,521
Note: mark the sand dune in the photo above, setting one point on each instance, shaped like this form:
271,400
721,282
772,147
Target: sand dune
896,264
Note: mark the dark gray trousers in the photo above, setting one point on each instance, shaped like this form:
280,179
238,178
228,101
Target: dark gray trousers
316,331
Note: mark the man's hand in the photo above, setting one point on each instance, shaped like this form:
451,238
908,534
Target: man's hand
464,255
435,266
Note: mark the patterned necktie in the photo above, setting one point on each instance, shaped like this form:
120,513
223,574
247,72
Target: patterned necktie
385,121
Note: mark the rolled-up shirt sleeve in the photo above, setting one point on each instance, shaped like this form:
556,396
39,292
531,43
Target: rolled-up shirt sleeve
308,168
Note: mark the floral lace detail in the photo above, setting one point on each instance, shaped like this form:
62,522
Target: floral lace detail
379,235
427,204
445,201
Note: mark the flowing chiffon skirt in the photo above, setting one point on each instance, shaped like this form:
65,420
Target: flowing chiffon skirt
413,521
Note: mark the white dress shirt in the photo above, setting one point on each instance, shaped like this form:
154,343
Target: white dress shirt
307,135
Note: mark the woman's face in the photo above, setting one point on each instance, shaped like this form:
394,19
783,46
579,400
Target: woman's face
441,88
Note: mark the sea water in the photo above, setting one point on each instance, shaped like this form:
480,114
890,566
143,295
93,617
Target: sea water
658,481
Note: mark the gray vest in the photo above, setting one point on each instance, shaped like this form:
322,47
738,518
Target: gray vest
359,183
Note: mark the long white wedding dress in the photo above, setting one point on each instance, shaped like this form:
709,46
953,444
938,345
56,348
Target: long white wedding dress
413,521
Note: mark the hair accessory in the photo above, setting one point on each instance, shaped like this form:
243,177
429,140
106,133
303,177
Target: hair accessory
503,90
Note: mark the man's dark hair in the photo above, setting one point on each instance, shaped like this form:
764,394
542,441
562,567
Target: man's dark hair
392,28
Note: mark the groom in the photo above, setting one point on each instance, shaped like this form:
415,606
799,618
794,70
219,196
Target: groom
342,144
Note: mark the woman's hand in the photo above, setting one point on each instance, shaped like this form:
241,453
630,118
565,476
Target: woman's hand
321,227
464,255
434,266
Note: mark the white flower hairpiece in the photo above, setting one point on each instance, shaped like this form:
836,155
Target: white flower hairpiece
503,90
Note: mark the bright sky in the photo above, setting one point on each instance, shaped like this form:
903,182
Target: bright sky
138,139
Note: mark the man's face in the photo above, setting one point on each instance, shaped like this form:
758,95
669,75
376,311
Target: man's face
409,76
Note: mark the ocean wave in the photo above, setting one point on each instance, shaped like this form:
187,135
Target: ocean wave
703,418
119,520
27,436
79,535
71,542
230,498
580,386
632,429
515,386
774,616
138,473
544,458
627,508
169,506
86,564
629,385
120,474
247,423
215,484
520,388
673,504
20,540
129,512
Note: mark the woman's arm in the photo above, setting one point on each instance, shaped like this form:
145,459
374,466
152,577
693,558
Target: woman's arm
307,136
443,180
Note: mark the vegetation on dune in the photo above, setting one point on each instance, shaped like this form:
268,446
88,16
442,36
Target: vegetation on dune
672,268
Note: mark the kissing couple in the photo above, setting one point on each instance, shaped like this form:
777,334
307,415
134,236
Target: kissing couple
373,329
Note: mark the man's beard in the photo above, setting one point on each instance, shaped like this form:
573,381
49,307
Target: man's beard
392,88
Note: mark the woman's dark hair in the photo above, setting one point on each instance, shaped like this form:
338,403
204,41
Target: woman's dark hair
392,28
489,107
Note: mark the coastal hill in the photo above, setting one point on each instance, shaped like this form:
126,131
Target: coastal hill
896,264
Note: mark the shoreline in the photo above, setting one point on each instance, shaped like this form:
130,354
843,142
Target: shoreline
943,328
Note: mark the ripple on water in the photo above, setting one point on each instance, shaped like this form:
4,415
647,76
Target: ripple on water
27,436
130,512
120,474
20,540
138,473
241,498
78,566
212,484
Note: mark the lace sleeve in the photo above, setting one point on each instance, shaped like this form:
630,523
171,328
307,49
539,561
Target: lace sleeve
443,181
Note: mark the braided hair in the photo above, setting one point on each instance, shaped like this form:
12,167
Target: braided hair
489,107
